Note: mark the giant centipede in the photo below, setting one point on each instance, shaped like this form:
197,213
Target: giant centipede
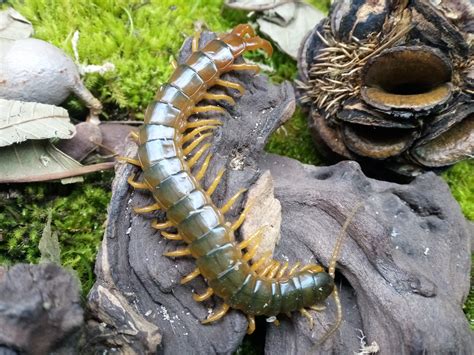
169,146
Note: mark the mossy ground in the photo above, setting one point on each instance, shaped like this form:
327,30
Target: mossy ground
140,38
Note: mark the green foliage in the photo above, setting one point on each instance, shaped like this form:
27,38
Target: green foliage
460,179
78,215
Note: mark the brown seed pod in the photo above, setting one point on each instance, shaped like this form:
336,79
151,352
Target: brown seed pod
391,84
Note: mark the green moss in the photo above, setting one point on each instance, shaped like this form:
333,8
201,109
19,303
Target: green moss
78,216
294,140
460,179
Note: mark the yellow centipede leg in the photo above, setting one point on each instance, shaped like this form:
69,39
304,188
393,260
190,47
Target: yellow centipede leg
147,209
268,268
245,66
211,121
171,236
132,161
230,84
217,315
195,143
174,63
293,269
155,224
137,185
210,96
217,180
198,154
178,252
195,273
257,236
203,169
134,136
282,270
194,132
312,268
251,326
232,200
199,298
195,42
273,270
260,261
306,314
250,254
317,308
207,108
241,219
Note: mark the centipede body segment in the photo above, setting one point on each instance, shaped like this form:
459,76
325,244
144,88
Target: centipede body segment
169,147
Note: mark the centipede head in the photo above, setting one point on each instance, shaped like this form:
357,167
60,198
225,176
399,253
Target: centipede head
243,38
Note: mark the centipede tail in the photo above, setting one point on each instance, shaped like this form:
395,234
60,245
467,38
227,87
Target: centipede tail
169,146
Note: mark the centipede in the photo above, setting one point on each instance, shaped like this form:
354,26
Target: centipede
169,148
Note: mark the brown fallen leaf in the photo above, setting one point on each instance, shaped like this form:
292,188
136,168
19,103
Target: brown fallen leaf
115,138
87,139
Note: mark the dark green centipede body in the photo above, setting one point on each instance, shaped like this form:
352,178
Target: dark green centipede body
189,208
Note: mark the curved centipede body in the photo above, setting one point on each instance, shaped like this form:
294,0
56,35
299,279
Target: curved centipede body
169,146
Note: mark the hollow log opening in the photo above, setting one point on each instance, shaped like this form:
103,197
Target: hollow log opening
416,78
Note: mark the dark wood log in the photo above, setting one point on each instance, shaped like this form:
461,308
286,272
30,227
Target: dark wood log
40,310
403,272
404,268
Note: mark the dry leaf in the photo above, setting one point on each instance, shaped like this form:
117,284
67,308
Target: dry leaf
286,32
88,137
33,161
49,244
20,121
254,5
13,25
281,15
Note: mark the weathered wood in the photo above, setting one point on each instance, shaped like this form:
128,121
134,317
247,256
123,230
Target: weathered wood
404,268
40,310
403,273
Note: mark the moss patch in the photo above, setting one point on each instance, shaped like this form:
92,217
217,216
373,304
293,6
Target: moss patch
460,179
78,216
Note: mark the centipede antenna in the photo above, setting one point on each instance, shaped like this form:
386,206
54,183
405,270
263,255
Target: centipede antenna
332,271
336,324
339,239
